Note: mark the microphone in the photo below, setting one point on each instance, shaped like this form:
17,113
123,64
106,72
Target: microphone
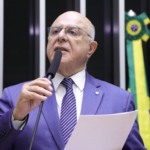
55,64
50,75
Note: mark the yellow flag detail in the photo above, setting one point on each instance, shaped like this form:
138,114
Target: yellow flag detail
143,101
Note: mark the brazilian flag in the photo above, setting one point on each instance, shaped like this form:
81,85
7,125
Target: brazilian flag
136,31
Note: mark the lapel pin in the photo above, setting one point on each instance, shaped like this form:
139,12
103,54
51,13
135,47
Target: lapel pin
97,92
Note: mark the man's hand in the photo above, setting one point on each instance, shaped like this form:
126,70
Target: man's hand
31,95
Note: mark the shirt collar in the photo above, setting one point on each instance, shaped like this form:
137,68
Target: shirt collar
78,78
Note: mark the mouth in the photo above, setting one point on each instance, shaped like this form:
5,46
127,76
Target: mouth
61,49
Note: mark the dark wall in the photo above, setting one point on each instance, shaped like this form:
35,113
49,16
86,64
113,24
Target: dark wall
101,65
18,57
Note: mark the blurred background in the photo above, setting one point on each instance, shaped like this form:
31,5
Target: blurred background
24,37
23,40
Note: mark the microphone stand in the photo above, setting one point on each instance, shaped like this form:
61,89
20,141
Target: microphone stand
36,124
50,74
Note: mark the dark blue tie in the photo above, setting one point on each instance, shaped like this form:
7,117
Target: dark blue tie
68,117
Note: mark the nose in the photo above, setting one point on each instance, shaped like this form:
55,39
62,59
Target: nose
63,31
62,35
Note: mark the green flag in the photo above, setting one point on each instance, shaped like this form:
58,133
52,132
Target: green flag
136,31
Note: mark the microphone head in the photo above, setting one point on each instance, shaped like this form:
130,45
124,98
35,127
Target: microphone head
55,64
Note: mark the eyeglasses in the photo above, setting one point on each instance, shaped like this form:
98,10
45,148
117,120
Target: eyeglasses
71,31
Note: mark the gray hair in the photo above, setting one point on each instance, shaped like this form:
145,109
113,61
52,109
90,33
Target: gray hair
92,31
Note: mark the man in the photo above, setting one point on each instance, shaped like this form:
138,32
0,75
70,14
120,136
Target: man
74,35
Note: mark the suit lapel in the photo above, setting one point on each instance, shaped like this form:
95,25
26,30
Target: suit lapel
50,114
92,96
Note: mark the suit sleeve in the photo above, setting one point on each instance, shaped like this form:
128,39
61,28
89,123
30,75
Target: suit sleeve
7,132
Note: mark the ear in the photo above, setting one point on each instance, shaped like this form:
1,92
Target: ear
93,47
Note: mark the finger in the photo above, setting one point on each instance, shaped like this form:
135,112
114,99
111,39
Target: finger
40,90
45,83
34,96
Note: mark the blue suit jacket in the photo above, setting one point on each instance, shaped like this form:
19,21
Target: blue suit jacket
110,99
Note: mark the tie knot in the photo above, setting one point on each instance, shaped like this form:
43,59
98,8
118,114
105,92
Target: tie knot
67,82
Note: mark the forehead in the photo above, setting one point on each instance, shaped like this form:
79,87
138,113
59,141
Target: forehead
70,19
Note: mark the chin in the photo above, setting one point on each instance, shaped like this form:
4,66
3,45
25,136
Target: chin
64,59
64,63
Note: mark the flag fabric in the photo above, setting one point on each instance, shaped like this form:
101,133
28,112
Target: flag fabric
136,32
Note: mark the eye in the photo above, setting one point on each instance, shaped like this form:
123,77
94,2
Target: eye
73,31
55,31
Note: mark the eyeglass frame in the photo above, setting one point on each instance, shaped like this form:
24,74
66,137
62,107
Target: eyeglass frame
68,27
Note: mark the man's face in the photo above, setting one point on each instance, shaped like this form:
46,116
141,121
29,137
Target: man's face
69,34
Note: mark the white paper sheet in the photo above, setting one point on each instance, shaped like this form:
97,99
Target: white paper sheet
101,132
